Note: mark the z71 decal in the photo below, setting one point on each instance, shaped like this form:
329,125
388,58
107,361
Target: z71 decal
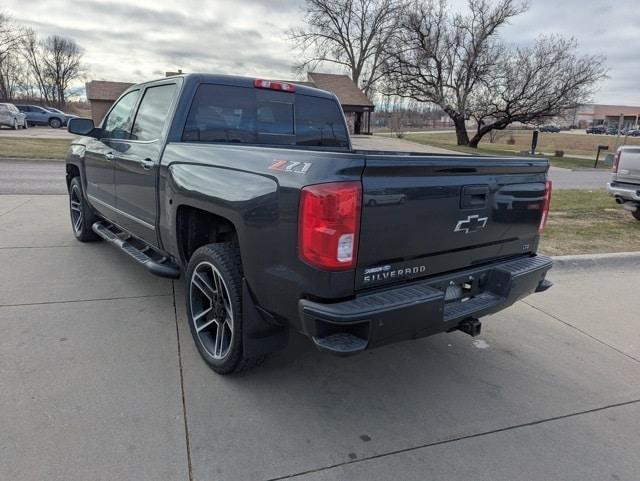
290,166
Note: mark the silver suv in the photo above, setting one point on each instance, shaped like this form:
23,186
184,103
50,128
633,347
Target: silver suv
10,116
625,181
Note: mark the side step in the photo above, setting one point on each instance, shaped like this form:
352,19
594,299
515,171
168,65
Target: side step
158,265
341,343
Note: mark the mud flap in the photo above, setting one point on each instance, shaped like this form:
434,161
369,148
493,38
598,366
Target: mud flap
259,336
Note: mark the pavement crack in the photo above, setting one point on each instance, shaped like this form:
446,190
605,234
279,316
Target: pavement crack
83,300
184,404
568,324
460,438
16,207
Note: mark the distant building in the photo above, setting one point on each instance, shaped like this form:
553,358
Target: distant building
599,114
356,105
102,94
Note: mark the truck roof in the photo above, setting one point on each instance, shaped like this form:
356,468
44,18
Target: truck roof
240,81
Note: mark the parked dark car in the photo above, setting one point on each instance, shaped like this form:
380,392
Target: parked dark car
632,132
10,116
550,128
67,116
251,190
612,131
596,129
37,115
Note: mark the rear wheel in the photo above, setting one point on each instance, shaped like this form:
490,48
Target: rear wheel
214,307
82,218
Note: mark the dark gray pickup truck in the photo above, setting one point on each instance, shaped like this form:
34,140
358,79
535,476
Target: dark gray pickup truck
251,190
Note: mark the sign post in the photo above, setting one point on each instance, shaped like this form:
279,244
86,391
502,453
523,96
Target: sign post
600,148
534,142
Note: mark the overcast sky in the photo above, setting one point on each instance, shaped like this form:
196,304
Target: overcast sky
133,43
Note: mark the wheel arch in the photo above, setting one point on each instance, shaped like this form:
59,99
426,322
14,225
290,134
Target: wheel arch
72,170
196,227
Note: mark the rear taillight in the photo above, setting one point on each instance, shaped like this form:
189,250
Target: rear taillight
616,161
545,206
271,85
329,222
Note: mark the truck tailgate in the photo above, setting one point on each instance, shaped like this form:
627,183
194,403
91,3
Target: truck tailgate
423,215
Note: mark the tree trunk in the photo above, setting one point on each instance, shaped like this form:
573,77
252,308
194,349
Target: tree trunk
461,130
475,140
484,130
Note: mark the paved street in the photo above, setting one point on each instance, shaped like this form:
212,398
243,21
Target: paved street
38,132
101,381
32,177
579,179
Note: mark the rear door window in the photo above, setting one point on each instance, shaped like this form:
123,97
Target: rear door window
222,113
153,112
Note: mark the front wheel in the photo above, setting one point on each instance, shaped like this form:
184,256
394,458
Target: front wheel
214,307
82,218
55,123
15,124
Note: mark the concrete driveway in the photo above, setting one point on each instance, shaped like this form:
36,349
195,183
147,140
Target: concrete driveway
101,381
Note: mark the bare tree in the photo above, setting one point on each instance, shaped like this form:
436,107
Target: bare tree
349,33
33,53
53,63
12,73
10,35
442,57
62,61
458,62
534,84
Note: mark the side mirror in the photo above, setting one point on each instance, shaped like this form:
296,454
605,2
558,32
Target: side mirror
80,126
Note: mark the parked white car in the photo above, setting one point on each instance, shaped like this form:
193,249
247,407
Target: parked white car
625,181
10,116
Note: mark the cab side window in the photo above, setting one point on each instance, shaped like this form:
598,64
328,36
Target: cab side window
117,125
153,112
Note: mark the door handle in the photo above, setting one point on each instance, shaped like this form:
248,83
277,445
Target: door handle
109,156
146,164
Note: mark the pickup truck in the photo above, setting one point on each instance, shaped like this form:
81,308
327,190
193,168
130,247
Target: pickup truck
625,179
251,190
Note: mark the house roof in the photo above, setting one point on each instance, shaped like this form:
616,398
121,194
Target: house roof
104,90
345,89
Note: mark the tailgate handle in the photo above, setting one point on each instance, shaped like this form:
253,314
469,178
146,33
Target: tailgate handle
474,196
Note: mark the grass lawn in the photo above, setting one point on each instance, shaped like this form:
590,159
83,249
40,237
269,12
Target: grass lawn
33,148
576,144
588,221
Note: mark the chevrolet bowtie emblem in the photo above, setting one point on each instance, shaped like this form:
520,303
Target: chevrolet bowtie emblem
473,223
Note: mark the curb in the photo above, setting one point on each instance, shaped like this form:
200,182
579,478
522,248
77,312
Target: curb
597,261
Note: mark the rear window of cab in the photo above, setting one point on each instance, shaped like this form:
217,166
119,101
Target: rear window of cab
223,113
